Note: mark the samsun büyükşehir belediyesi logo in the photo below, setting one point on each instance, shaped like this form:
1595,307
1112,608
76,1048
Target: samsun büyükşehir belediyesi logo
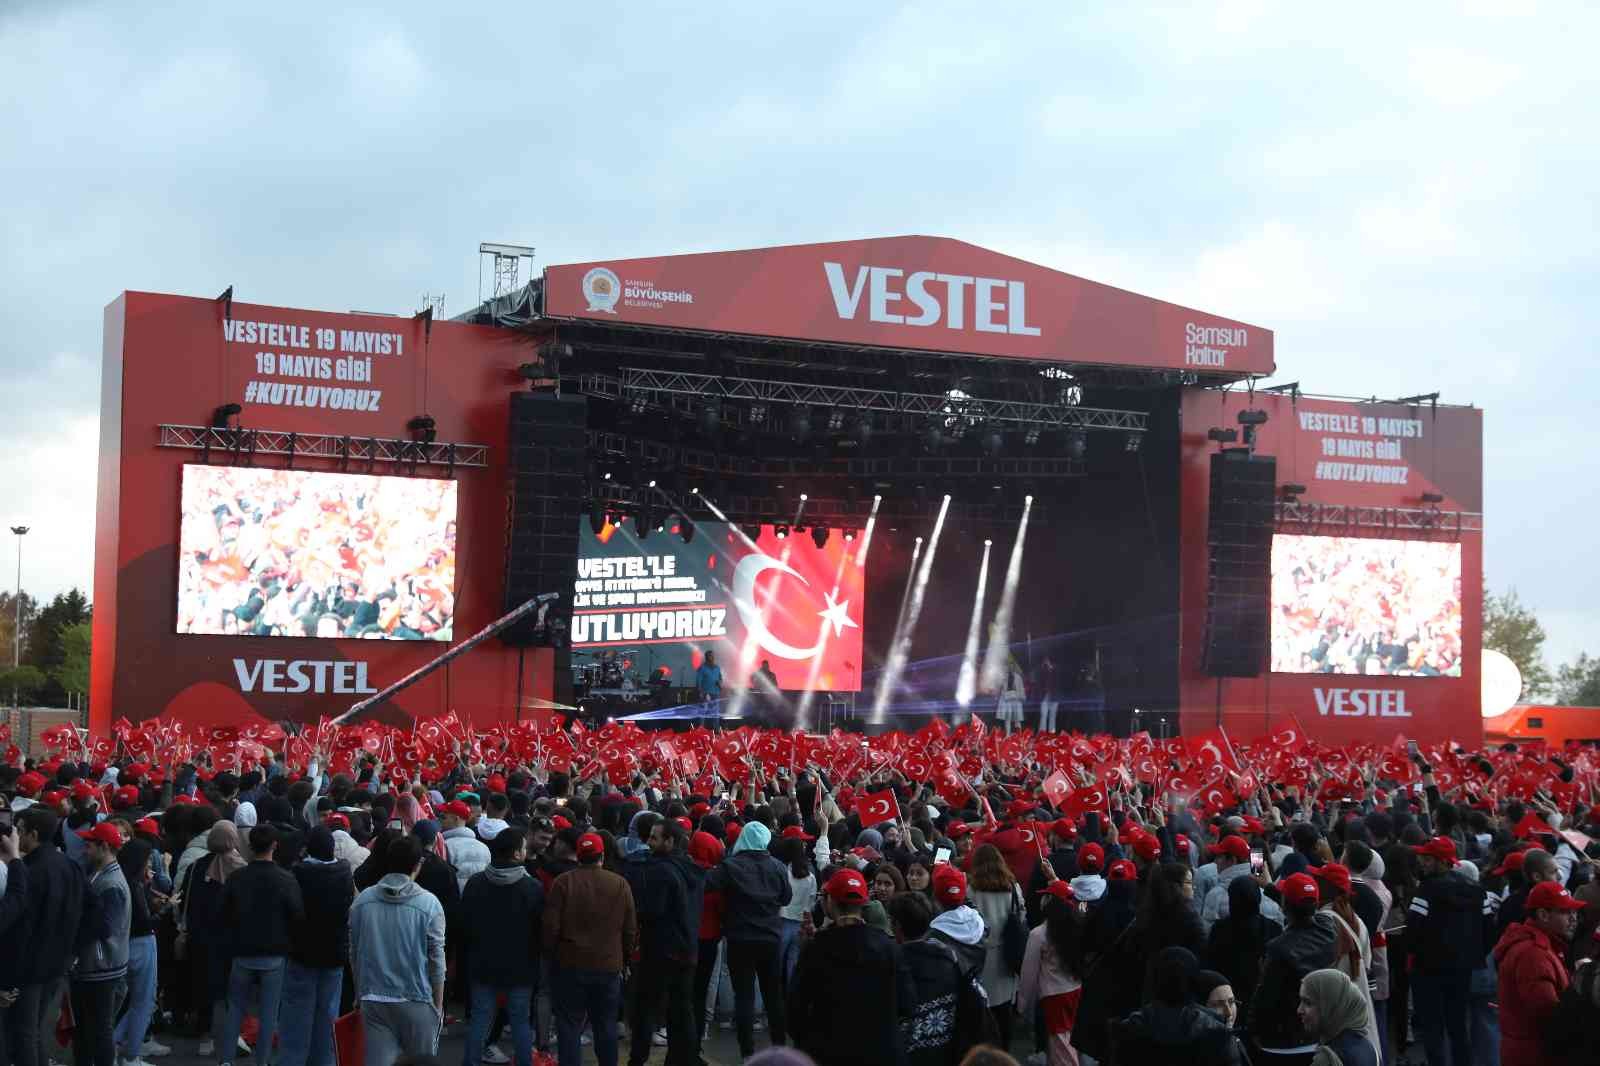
602,289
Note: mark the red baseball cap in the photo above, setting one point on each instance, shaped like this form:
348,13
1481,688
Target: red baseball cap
1235,847
1147,847
30,783
1252,824
591,846
1512,864
700,808
847,886
1065,828
148,825
183,799
1059,889
1123,870
688,826
949,885
53,797
103,833
81,789
1018,807
1549,896
958,830
1441,848
335,820
497,783
1091,858
126,796
457,808
731,832
1297,888
561,822
1335,874
795,832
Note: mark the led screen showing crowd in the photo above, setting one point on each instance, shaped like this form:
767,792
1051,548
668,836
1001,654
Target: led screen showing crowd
293,553
1356,605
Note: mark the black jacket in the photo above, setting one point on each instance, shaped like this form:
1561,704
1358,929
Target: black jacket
1301,949
754,886
501,927
260,906
41,942
439,878
1114,986
1236,950
320,939
949,1014
849,994
1157,1035
667,894
1448,926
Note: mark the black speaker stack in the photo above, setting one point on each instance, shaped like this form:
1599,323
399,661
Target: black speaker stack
549,444
1239,569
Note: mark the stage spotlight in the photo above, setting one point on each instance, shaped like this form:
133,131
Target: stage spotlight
661,524
781,532
1134,442
638,403
221,416
849,535
1290,491
861,430
1077,444
1222,436
1031,437
819,536
422,429
1251,421
993,442
758,413
800,423
711,417
836,420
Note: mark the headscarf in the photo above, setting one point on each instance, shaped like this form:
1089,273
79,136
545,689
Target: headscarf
411,813
753,837
1171,977
1340,1009
1207,982
870,838
223,844
245,815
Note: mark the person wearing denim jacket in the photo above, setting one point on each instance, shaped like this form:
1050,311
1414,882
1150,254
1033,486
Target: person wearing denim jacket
99,976
397,955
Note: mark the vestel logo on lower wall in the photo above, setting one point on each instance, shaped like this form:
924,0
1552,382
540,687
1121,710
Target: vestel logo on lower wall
1362,703
291,676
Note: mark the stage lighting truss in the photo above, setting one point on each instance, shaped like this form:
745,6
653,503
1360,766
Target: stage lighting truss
1295,515
955,409
243,446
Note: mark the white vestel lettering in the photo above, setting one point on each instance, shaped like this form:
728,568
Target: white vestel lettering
1362,703
280,676
998,305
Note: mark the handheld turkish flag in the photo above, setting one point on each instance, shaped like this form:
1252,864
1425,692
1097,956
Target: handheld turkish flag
1058,788
1532,824
878,807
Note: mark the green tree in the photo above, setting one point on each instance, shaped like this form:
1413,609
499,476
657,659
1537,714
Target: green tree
44,647
1511,628
1578,682
73,673
25,682
8,621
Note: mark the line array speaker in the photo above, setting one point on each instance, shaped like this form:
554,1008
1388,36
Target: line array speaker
1239,563
548,442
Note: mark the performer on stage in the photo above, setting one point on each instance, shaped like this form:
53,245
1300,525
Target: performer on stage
1044,686
708,679
1009,711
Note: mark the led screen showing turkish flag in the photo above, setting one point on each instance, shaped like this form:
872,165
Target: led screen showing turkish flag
657,603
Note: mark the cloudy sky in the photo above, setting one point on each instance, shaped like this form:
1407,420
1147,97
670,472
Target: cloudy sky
1406,193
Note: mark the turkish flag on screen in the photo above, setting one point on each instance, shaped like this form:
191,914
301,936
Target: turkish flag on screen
877,807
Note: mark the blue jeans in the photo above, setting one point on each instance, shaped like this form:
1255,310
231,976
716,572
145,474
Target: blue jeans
252,971
591,993
1485,1021
788,949
1380,1015
141,996
310,1004
519,1007
1442,1006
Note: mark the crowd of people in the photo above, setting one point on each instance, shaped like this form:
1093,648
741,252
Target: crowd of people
1356,605
292,553
871,920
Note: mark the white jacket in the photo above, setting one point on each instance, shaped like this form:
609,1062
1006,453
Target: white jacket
468,854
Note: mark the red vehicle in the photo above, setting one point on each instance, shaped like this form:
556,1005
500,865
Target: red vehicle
1554,725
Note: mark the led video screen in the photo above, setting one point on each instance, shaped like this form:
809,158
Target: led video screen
296,553
1356,605
650,609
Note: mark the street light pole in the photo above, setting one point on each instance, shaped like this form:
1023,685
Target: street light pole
16,636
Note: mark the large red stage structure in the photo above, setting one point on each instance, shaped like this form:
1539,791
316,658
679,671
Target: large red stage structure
297,508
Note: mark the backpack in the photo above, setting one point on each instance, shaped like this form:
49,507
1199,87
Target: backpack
1014,934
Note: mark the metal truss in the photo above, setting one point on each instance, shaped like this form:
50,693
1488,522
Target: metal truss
754,510
1300,516
242,446
661,458
972,410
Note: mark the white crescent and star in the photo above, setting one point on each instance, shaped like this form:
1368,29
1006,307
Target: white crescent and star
744,601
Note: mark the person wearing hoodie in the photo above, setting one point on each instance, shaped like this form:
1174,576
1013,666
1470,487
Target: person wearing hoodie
637,839
98,977
850,990
502,913
1333,1011
38,948
1373,903
590,933
668,888
260,906
1171,1026
397,960
319,950
959,926
1532,973
706,851
754,887
1307,943
1449,922
134,858
493,822
468,854
951,1016
1232,855
1089,884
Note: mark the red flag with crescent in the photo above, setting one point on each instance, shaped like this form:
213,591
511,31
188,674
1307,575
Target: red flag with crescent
877,807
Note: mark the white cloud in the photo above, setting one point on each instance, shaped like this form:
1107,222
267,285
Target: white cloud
1457,77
